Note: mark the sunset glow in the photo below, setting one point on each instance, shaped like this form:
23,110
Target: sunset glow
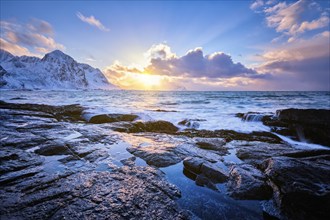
272,45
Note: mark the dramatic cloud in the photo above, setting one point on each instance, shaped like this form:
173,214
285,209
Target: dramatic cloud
292,20
166,70
195,64
33,38
303,64
92,21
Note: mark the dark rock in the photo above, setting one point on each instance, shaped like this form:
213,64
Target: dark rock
201,180
153,126
247,182
158,158
316,117
126,193
129,161
253,116
190,123
209,170
214,172
64,113
163,110
301,186
256,152
109,118
230,135
193,164
12,160
307,125
49,150
307,153
216,144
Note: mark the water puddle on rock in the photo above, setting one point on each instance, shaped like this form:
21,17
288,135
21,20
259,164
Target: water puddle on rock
206,203
119,153
231,157
53,165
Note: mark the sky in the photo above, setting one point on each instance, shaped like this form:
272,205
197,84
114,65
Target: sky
181,45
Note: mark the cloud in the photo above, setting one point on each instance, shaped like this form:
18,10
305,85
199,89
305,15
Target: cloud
33,38
194,70
92,21
303,64
41,27
161,51
14,48
294,19
195,64
257,4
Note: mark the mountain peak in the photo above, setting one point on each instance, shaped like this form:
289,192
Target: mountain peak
57,55
5,55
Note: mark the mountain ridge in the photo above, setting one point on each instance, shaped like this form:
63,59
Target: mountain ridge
55,71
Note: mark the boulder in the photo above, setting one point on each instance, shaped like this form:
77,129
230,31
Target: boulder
153,126
247,182
301,185
193,164
210,170
214,172
49,150
156,157
61,113
109,118
216,144
310,125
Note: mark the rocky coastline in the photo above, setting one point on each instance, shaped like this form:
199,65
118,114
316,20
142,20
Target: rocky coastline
56,164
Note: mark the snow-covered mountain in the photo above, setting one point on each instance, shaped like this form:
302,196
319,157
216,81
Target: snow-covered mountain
55,70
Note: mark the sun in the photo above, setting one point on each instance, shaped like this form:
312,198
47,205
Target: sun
149,81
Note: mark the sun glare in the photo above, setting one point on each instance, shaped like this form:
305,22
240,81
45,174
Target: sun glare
149,81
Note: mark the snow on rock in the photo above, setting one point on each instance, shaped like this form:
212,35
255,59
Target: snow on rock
55,70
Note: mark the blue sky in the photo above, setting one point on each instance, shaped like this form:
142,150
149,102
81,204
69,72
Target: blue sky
121,32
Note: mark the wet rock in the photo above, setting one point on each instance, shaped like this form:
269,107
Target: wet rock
55,149
301,186
253,116
307,125
12,160
316,117
216,144
153,126
109,118
210,170
307,153
63,113
255,152
193,164
230,135
190,123
125,193
129,161
214,172
163,110
247,182
156,157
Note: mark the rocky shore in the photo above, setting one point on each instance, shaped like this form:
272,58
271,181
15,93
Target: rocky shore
56,164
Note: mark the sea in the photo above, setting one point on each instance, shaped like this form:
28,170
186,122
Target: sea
212,110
